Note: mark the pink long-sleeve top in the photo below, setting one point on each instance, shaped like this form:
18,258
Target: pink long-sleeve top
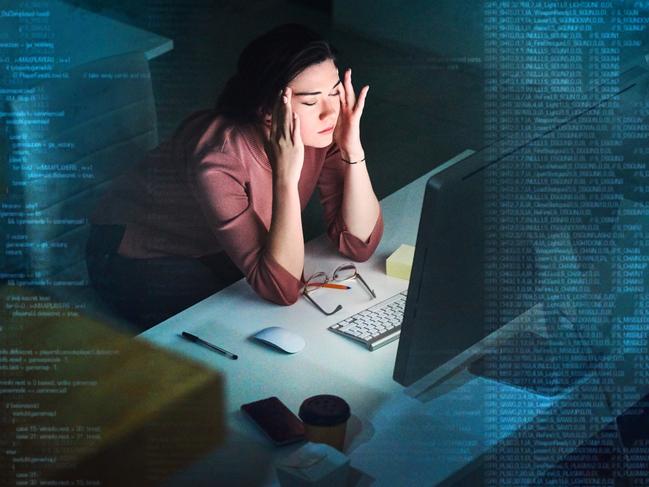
209,189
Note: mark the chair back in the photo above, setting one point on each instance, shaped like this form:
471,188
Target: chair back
67,142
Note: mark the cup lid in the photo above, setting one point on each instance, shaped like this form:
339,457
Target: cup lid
324,410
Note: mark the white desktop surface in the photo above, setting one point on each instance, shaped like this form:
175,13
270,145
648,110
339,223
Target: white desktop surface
394,439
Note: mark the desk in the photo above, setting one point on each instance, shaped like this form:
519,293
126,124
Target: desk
393,438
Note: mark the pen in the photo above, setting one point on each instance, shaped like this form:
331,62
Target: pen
332,286
195,339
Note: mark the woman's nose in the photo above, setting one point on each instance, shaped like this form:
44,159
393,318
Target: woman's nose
328,108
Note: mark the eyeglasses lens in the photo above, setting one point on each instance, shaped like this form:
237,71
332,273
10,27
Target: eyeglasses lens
315,281
344,272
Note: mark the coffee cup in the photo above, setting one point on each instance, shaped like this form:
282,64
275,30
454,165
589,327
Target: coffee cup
325,419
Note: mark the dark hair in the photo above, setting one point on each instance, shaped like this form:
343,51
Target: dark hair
266,66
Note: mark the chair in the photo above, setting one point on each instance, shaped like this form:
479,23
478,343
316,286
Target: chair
66,143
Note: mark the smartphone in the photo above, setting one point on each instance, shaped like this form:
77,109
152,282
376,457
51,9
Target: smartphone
276,420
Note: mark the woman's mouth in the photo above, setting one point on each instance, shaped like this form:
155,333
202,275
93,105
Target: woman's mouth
327,130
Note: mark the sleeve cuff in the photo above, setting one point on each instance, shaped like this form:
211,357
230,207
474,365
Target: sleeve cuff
356,249
274,283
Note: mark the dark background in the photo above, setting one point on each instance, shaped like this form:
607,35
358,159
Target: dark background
424,104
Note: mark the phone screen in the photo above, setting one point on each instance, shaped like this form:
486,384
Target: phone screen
276,420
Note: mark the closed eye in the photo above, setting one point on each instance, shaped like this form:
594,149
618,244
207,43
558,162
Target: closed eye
337,93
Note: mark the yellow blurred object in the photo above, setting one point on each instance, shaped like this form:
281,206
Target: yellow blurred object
87,405
399,264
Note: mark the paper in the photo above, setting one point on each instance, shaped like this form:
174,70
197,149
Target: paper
307,456
399,264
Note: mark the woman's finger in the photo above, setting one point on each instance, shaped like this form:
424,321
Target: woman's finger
343,94
282,122
350,97
287,116
296,135
360,104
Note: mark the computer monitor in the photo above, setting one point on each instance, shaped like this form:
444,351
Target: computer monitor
536,224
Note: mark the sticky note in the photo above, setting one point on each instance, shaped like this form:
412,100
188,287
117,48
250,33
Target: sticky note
399,264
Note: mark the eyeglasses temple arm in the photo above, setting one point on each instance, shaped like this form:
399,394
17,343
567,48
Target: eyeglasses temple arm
338,308
371,291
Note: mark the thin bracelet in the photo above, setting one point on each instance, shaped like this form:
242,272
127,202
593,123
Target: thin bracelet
352,162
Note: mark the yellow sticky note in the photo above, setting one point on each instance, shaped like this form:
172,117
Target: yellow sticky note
399,264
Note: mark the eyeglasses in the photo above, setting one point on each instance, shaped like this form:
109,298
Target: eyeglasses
344,272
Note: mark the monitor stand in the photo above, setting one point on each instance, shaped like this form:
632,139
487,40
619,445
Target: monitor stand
546,365
533,344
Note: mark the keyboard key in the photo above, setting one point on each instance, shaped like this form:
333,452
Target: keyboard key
375,326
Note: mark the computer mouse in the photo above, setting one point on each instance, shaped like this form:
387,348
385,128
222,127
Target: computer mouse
281,338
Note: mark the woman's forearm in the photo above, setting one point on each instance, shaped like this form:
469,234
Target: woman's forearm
360,206
285,238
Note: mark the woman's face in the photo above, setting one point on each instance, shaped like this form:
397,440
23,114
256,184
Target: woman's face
317,103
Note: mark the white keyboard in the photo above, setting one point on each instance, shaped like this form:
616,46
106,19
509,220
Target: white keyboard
375,326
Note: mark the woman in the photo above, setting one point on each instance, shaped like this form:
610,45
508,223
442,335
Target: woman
223,198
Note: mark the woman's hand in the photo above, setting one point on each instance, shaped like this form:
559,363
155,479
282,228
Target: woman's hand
347,134
285,150
284,147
